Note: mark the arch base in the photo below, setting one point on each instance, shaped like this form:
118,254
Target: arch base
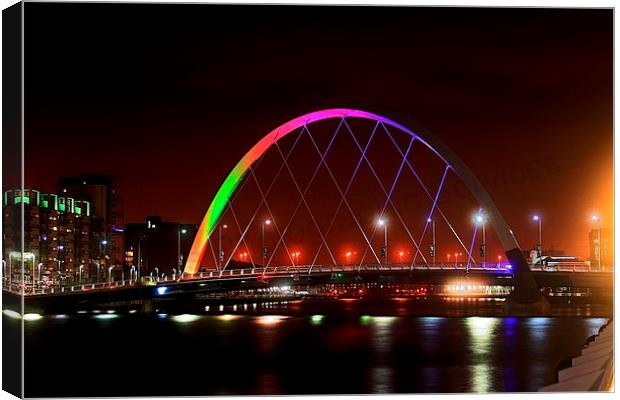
526,297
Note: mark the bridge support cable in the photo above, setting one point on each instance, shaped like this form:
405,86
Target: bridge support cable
385,192
316,170
329,171
346,190
428,193
213,253
273,181
257,164
431,212
273,221
232,211
303,198
388,195
388,198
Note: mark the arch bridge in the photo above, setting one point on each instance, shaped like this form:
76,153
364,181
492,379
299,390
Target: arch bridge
331,205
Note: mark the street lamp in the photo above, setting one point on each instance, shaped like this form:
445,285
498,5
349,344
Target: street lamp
480,219
262,239
434,244
538,219
221,252
499,262
98,264
80,272
58,249
296,255
597,219
384,250
39,270
103,243
179,257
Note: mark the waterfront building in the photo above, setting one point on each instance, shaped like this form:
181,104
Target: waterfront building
107,208
57,234
603,249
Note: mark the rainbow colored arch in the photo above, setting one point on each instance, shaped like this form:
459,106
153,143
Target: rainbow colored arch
236,175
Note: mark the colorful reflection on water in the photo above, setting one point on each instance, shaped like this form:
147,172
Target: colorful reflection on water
237,354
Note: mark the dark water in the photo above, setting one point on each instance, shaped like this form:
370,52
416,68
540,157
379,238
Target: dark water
132,354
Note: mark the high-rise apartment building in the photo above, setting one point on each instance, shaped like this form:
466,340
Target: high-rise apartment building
107,209
57,236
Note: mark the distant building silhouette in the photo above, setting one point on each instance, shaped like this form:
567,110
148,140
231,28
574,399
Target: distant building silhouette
156,246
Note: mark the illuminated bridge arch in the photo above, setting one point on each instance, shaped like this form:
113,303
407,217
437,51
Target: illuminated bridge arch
525,286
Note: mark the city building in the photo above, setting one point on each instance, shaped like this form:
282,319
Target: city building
157,247
58,236
533,257
107,208
605,249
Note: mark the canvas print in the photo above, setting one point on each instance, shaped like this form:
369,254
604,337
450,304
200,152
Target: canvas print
233,199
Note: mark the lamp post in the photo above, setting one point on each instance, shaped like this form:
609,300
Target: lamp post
220,254
382,222
103,243
262,240
434,244
132,273
80,272
499,262
179,257
481,220
538,219
39,270
98,264
597,219
59,248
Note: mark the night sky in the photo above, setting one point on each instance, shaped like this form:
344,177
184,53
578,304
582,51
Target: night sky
169,97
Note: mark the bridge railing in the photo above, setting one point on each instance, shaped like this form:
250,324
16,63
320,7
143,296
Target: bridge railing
310,269
274,271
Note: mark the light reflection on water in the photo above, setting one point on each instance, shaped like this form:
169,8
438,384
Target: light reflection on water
482,330
377,354
381,376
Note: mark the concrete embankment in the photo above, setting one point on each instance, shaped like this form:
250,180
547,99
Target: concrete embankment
593,369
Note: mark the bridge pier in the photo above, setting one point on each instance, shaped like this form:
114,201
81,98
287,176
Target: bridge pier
526,296
147,306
